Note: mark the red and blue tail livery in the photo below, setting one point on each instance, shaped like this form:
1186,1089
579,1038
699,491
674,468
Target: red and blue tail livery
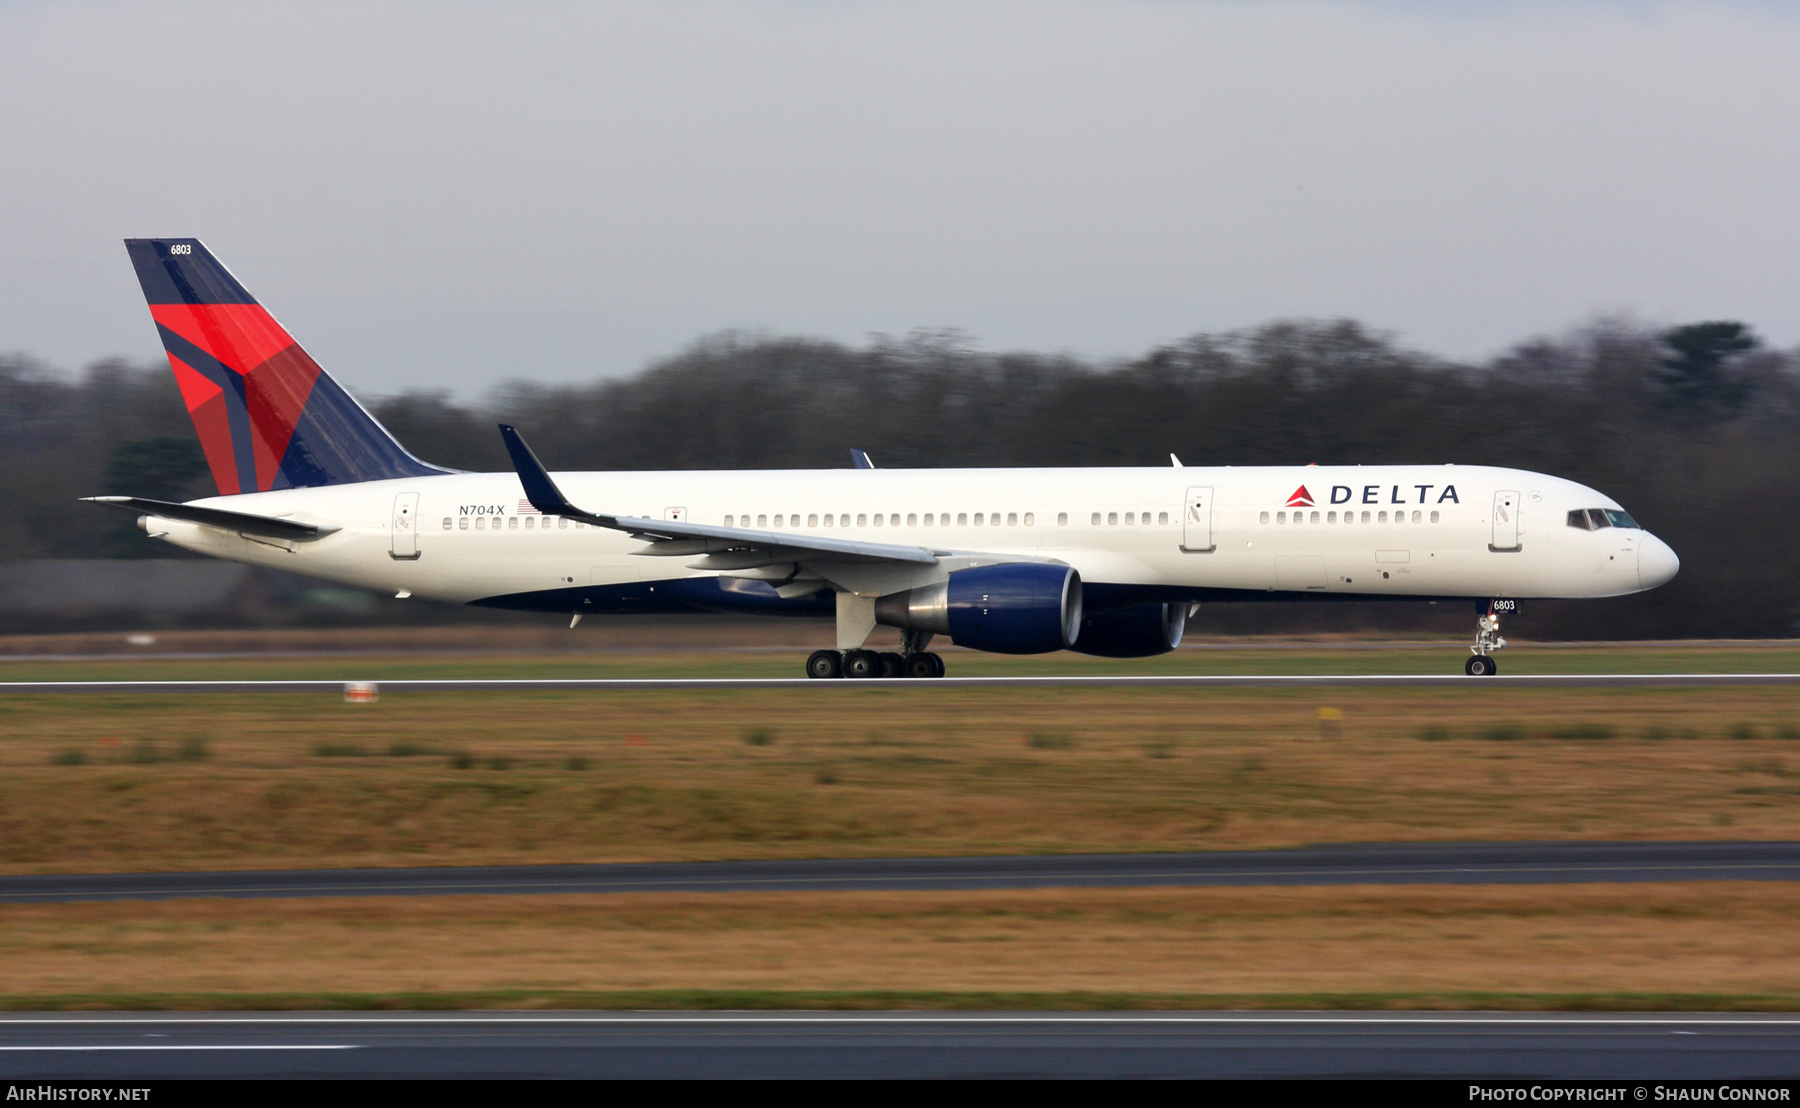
268,417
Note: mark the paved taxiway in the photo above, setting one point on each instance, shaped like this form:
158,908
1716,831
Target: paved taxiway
607,684
1634,1047
1518,863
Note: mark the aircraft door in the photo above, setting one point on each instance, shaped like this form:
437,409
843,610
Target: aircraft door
404,543
1196,522
1506,522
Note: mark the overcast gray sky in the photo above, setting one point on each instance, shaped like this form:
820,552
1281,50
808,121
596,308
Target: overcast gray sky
454,194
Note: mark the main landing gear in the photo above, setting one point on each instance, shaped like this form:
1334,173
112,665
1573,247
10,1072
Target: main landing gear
1487,640
862,664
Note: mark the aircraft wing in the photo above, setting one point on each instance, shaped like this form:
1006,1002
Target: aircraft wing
725,548
244,522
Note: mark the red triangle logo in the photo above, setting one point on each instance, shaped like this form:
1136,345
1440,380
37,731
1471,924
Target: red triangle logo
1300,499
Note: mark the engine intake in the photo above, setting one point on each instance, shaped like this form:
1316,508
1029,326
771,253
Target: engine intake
1014,608
1135,632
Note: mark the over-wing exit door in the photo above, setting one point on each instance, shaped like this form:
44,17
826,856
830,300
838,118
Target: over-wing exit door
1196,522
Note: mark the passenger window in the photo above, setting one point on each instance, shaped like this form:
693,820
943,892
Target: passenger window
962,519
447,523
1365,517
512,523
1314,519
1382,518
1434,517
1162,518
927,519
878,519
978,519
1264,518
1012,519
728,520
562,523
480,523
1062,519
1415,516
1112,519
530,523
1130,518
830,519
894,520
1030,518
912,519
1280,517
463,523
1330,517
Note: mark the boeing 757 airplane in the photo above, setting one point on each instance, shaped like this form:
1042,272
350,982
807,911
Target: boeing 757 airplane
1109,562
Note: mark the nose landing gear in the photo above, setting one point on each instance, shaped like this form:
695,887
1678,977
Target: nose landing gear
1487,640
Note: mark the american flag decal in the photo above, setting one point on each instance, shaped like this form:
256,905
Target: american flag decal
525,509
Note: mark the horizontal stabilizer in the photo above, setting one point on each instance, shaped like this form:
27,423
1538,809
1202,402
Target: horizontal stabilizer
242,522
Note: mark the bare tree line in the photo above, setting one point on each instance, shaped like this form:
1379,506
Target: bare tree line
1692,428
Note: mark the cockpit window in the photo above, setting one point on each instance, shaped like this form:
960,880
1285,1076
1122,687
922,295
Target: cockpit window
1592,519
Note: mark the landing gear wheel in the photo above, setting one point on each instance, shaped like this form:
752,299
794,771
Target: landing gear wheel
1480,665
892,665
923,665
862,664
825,663
937,665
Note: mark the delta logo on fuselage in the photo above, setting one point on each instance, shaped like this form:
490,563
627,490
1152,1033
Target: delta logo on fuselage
1371,494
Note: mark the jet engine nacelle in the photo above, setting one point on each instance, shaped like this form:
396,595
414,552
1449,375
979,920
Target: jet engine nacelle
1135,632
1013,608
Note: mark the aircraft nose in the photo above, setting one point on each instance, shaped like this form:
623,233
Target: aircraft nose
1656,562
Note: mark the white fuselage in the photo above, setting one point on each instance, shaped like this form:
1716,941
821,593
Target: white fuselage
1427,531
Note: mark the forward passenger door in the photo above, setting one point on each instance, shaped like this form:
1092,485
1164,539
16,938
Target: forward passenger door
1505,522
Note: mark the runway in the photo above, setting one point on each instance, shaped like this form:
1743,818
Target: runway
1521,863
1633,1048
625,684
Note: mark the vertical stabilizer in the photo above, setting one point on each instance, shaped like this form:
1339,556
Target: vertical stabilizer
268,417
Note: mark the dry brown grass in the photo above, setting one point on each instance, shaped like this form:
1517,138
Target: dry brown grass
1704,945
550,777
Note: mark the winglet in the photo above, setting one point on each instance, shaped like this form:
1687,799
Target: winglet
860,459
1174,461
539,489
